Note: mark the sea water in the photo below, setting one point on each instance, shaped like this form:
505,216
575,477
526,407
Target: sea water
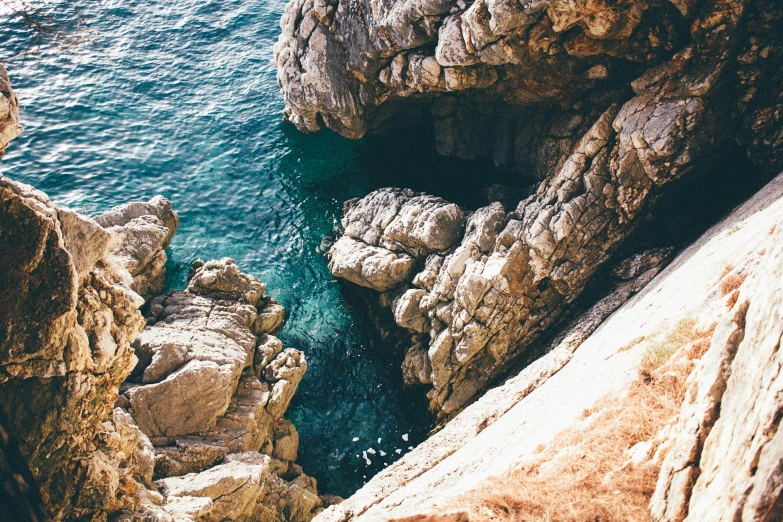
180,99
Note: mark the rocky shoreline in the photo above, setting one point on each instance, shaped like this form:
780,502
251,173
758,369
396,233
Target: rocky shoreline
174,416
119,402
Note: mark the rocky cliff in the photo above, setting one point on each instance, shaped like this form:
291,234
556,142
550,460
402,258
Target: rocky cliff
171,415
716,456
603,108
613,101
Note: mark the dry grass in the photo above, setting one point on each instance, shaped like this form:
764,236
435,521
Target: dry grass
581,475
730,284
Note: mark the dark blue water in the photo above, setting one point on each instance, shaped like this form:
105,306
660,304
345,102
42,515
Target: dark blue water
180,98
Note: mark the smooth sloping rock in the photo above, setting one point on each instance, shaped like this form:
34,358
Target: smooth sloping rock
725,460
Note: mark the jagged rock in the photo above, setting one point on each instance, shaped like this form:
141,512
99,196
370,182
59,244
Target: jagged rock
284,374
270,317
66,347
510,80
222,279
143,232
512,276
202,362
725,458
369,266
187,456
247,487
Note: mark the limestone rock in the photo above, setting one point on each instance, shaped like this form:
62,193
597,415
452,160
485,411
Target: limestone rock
247,487
222,279
511,277
66,346
369,266
599,355
143,232
724,463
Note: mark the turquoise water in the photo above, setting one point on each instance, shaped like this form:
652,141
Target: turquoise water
180,98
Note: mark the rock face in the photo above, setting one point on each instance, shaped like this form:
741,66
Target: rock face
144,231
481,299
66,330
210,388
724,462
520,81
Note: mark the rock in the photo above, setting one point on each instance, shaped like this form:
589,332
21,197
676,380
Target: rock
369,266
223,280
284,374
247,487
233,489
66,347
158,207
512,276
143,232
286,441
189,508
196,392
270,317
85,240
598,355
187,456
532,66
724,463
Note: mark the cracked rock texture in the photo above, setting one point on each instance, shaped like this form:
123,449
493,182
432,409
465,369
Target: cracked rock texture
209,390
500,277
520,81
144,231
724,452
66,329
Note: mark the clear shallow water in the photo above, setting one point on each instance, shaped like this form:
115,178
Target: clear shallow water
180,98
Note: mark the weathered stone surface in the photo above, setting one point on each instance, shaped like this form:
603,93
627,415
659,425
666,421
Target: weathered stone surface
222,279
369,266
512,81
10,127
143,232
187,456
725,458
512,276
66,347
584,364
201,362
247,487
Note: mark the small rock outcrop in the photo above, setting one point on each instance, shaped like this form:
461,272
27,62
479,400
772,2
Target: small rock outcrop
143,231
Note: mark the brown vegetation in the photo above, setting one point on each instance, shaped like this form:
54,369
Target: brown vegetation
585,473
